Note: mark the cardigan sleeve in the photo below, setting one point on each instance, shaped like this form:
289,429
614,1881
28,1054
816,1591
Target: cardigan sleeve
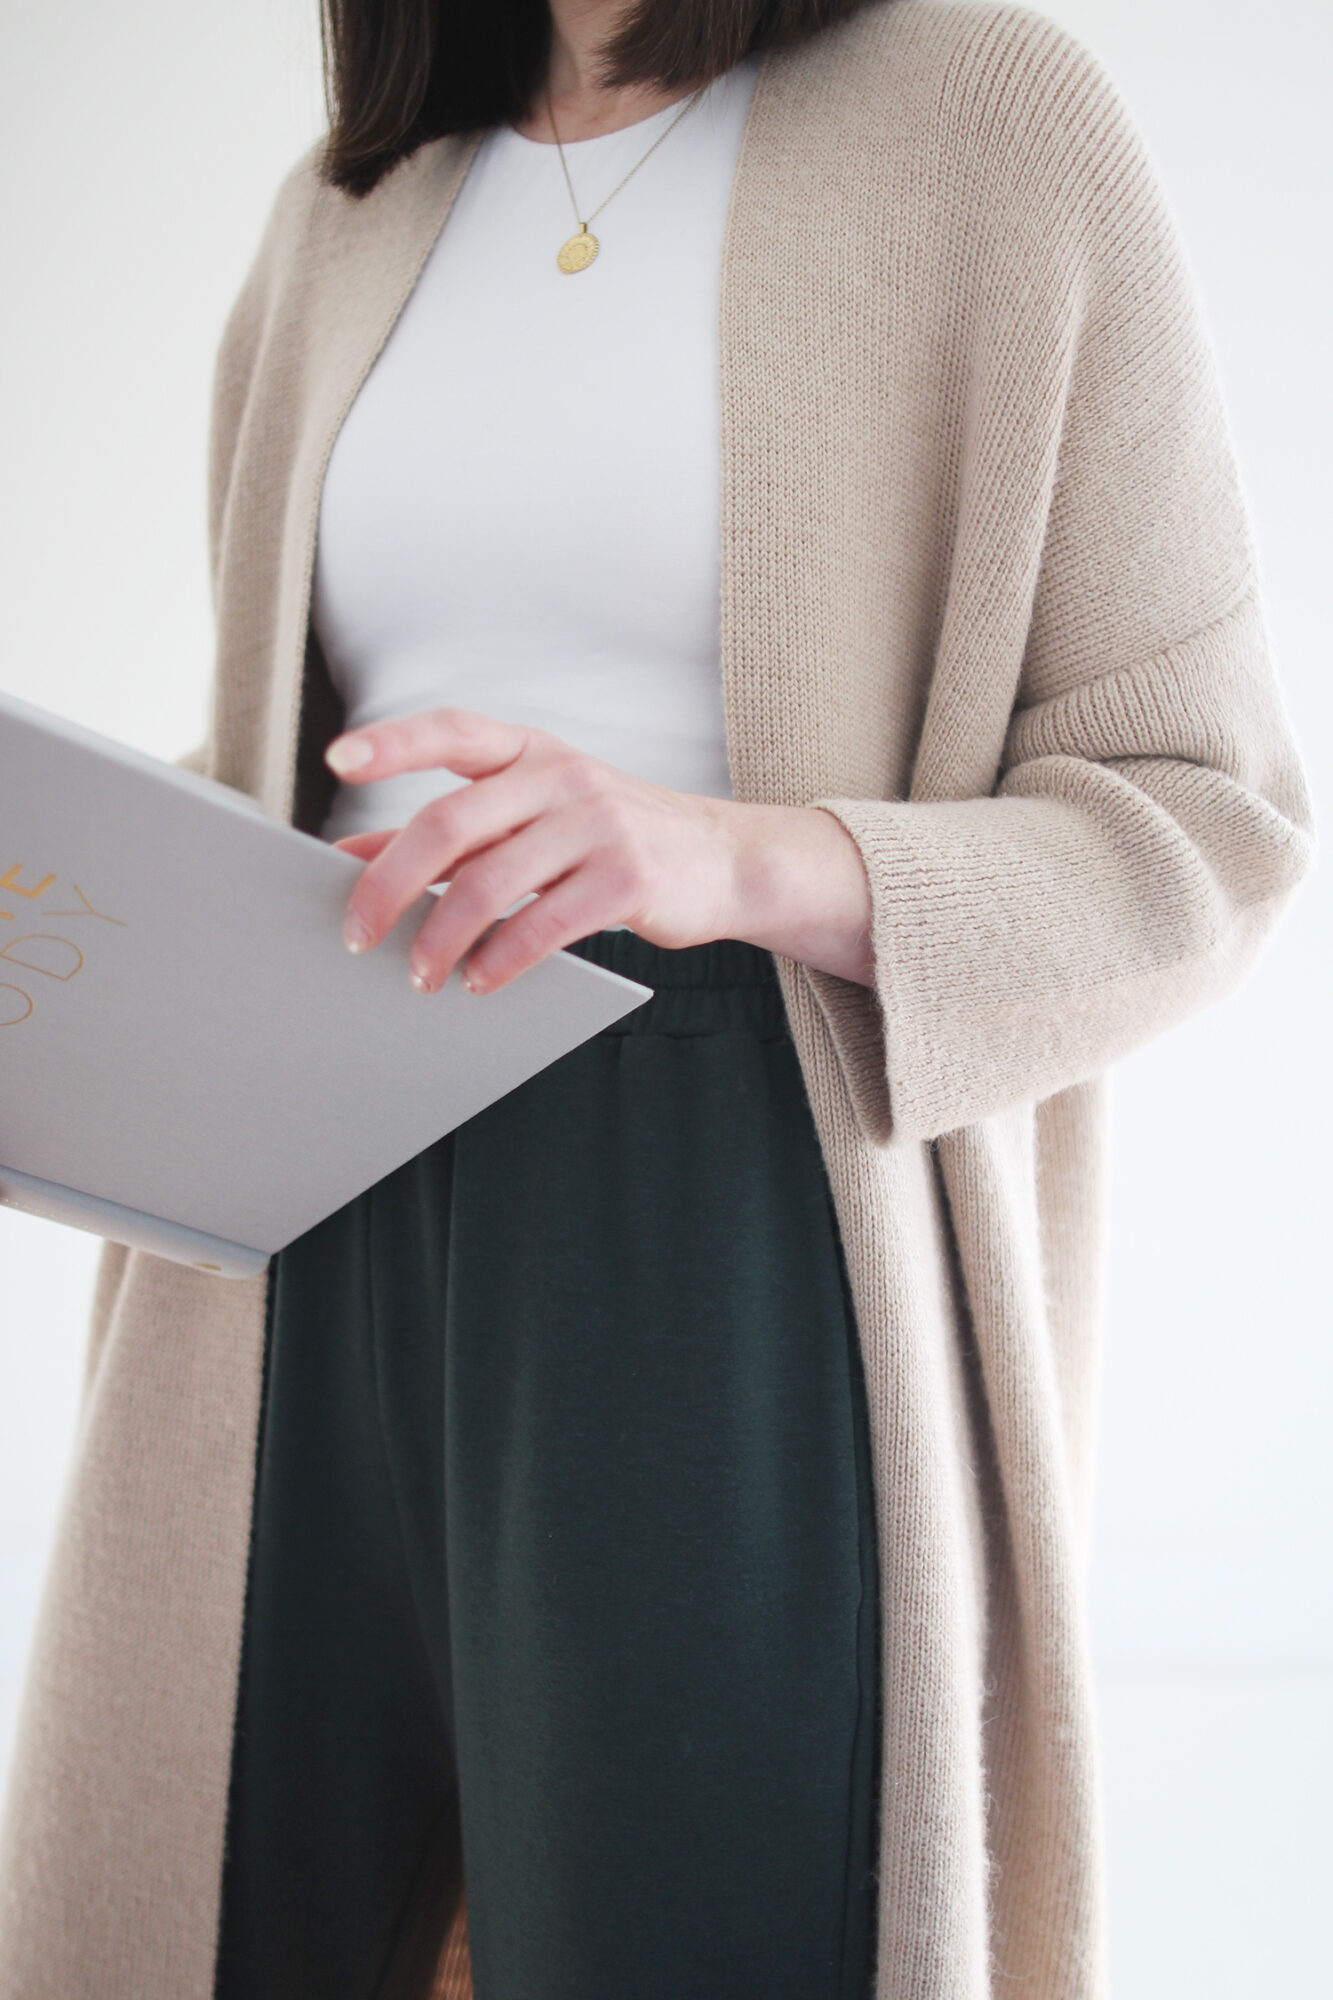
1149,814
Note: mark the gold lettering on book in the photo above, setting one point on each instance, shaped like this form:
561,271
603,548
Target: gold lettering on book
86,911
62,954
44,952
15,1006
16,888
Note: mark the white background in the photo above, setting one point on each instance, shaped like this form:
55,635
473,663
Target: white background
140,143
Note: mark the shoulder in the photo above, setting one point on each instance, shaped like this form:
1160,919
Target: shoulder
314,235
1006,101
316,231
970,52
975,119
298,208
299,192
290,223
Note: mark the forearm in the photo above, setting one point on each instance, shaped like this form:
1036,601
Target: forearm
599,847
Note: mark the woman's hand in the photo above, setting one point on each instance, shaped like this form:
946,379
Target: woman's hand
598,847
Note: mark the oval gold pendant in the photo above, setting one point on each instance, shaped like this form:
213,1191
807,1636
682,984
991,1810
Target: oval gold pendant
578,253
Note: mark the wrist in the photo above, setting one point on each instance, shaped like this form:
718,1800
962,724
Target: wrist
799,888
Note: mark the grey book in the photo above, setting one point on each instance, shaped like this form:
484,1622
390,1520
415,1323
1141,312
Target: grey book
191,1062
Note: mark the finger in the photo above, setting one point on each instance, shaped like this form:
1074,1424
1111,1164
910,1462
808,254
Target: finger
365,846
450,739
437,839
571,908
490,883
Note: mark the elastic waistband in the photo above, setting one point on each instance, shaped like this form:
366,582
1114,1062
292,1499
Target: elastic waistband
703,989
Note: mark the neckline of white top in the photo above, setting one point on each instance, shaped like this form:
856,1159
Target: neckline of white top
646,126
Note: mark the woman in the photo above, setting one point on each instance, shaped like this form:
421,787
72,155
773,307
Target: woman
777,461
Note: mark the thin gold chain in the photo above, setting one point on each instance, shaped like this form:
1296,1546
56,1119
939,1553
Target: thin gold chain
583,221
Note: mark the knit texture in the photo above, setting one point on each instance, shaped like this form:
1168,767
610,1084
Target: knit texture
989,595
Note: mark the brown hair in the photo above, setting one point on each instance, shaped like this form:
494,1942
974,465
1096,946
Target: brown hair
400,72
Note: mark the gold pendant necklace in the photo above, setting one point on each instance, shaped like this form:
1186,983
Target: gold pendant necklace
580,249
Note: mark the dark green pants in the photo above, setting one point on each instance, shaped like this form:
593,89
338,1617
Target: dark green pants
564,1546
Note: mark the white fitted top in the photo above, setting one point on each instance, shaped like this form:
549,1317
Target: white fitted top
521,512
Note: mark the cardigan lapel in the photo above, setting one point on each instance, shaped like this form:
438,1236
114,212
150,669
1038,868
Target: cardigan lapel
371,258
832,492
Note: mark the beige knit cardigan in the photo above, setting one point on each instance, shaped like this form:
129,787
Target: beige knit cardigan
989,591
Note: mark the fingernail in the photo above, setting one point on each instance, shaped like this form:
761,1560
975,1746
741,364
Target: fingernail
348,753
420,980
356,934
475,982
